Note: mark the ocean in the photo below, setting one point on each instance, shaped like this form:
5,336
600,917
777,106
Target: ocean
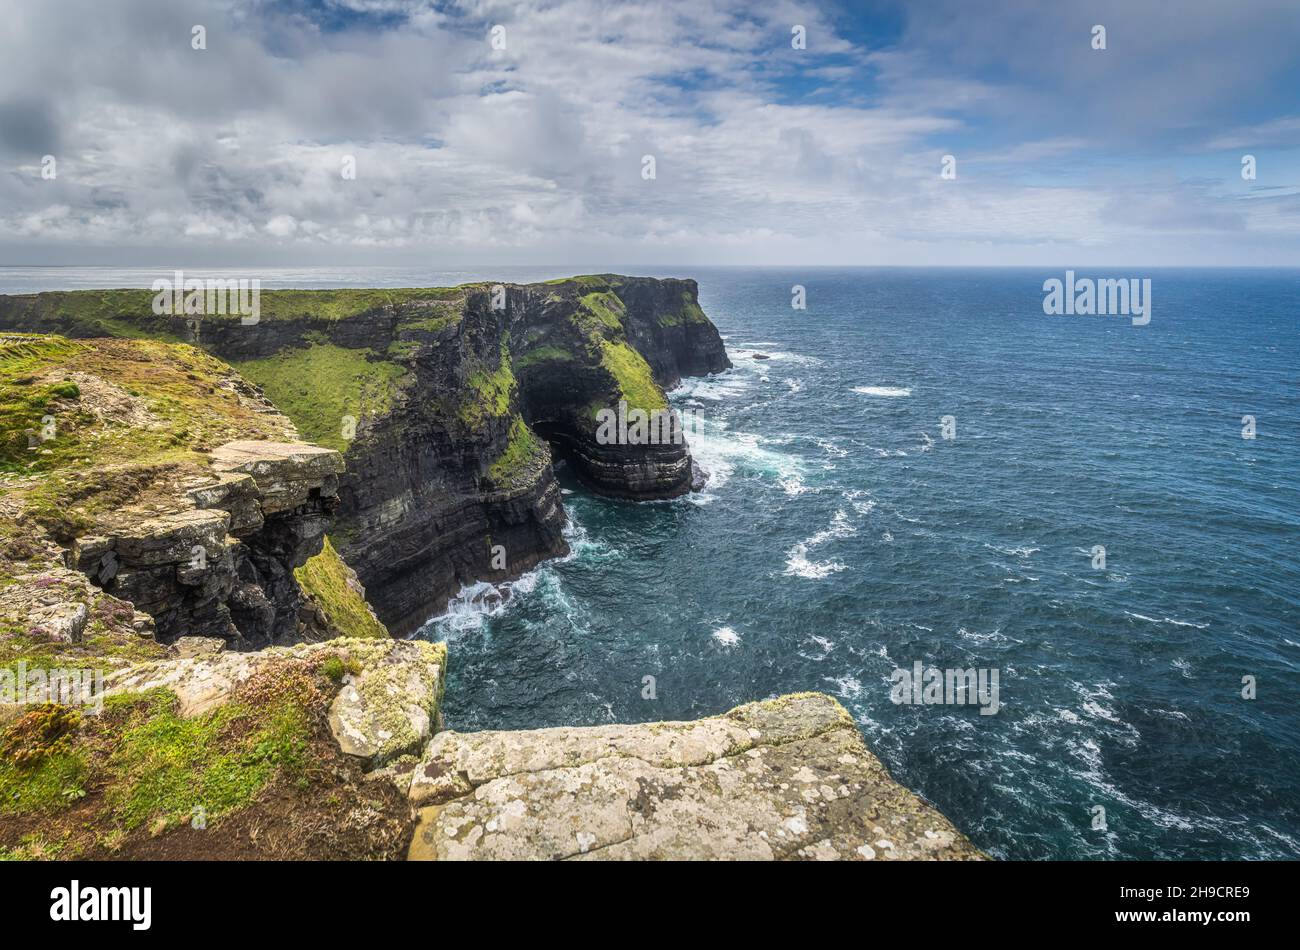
842,536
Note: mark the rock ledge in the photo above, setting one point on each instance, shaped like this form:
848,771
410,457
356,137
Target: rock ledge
787,778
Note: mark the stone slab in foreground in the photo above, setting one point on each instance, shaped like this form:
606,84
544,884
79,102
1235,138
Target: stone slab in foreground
788,778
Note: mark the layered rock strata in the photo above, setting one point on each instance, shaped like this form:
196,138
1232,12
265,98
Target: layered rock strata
446,403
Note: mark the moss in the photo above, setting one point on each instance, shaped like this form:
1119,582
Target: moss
97,313
584,280
324,578
318,385
52,783
633,376
159,408
606,307
689,313
164,765
402,349
488,392
520,453
545,354
40,733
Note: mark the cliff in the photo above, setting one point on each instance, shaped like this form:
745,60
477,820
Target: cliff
157,510
446,404
152,475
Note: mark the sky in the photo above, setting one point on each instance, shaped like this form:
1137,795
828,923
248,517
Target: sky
536,153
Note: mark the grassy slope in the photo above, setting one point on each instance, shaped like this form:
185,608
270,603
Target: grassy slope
324,578
155,407
319,385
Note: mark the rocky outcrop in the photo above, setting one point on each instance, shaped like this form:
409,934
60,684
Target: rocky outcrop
387,705
446,404
788,778
224,569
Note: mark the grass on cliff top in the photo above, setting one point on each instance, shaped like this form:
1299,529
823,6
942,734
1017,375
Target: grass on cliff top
125,314
129,313
324,578
690,313
585,280
153,766
102,423
262,771
320,385
606,307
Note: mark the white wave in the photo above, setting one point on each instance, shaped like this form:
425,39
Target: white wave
471,608
887,392
722,453
796,385
1022,551
1170,620
861,500
713,388
846,686
798,565
783,356
797,562
830,448
727,636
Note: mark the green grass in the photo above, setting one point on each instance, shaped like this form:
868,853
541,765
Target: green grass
690,313
165,765
545,354
488,392
606,307
95,313
632,373
584,280
316,386
324,578
522,449
51,784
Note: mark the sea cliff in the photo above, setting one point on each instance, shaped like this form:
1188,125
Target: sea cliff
197,517
447,405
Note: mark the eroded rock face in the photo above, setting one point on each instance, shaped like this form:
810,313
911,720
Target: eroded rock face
448,472
788,778
224,568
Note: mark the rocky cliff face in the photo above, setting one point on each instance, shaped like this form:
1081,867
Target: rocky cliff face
133,473
446,404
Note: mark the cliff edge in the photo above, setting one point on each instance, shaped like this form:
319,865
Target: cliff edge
448,405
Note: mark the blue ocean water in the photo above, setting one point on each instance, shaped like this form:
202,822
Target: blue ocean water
841,537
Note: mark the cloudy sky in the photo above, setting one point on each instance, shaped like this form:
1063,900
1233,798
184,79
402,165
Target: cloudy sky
465,153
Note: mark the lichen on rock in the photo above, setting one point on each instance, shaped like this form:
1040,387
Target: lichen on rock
788,778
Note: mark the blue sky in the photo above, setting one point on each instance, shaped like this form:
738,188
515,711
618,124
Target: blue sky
466,153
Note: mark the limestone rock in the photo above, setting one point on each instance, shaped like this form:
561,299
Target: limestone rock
189,647
224,568
788,778
287,474
391,708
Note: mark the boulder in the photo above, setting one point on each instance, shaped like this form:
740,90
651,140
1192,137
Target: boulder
388,704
